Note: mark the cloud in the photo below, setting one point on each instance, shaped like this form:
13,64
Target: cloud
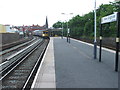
21,12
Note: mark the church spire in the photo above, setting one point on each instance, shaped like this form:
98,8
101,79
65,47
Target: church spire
46,24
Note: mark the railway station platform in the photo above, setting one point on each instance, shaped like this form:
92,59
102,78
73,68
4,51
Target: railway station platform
71,65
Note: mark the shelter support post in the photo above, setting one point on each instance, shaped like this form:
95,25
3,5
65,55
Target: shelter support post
117,42
100,51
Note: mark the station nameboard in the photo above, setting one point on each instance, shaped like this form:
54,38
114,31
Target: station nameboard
110,18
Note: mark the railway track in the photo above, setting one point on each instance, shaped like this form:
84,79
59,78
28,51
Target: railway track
10,45
15,47
19,70
10,51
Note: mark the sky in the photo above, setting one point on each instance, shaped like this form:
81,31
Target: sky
29,12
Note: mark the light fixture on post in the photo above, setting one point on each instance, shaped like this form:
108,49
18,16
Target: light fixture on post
68,30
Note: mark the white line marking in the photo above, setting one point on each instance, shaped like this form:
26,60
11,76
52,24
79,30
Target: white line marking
39,69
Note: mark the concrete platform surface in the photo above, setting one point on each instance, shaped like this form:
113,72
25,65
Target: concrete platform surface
45,77
75,67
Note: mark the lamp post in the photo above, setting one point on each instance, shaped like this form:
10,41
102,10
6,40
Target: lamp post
95,42
62,30
68,31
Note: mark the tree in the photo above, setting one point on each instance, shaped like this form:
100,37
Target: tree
116,6
57,24
83,26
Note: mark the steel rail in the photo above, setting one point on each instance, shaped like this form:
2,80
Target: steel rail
18,55
9,45
16,47
19,62
38,60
